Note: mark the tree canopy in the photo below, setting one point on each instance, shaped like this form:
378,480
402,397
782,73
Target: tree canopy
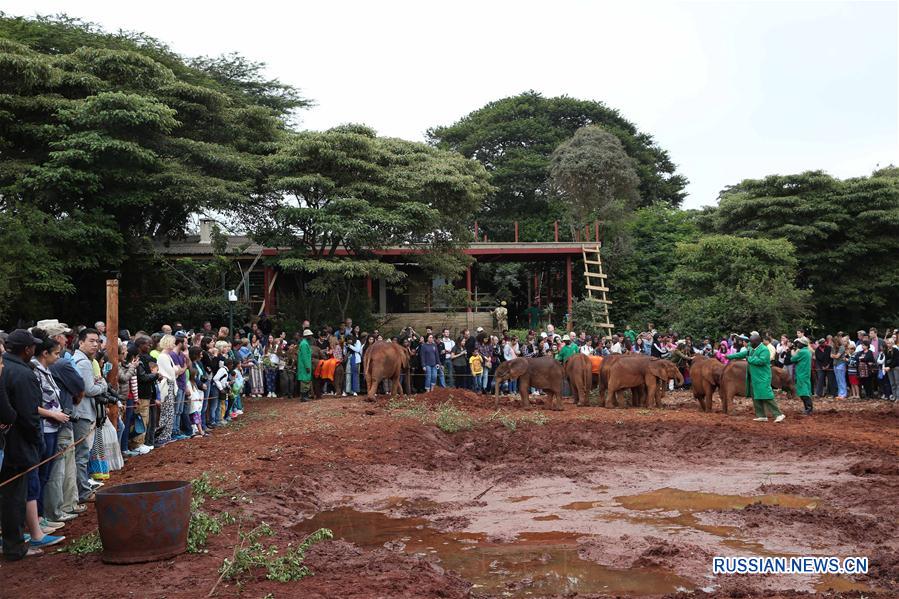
514,138
843,231
337,196
725,281
108,139
594,177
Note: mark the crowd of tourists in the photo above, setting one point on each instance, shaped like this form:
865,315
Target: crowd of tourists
58,444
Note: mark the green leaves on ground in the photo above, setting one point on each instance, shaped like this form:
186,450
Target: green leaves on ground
251,553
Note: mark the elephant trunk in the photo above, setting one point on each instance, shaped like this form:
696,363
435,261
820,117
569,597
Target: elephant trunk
680,378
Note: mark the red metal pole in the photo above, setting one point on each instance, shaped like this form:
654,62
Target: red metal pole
368,286
586,233
468,286
536,290
557,231
516,231
596,231
568,274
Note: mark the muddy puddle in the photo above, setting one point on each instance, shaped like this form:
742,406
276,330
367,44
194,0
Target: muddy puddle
535,563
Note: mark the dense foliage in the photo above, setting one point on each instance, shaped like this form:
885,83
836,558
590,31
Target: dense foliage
723,283
514,138
110,139
844,233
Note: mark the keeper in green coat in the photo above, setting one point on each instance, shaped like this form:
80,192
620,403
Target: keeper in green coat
758,378
304,365
568,350
801,359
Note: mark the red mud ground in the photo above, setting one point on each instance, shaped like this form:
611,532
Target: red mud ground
592,503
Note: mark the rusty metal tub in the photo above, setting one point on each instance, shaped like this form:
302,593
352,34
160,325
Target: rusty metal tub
144,522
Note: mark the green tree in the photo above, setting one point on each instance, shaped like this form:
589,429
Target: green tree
723,283
110,139
641,268
514,139
843,231
338,196
594,177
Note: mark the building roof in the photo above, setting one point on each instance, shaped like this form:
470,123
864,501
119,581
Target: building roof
520,251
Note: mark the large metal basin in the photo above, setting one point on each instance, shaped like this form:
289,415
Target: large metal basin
144,522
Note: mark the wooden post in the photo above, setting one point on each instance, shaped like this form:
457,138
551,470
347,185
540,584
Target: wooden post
596,231
468,286
475,230
516,231
112,342
586,232
568,275
556,225
368,286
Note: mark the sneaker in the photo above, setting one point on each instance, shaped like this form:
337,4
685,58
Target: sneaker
143,449
129,453
240,412
66,517
780,418
47,541
52,525
79,509
355,395
95,483
760,419
34,552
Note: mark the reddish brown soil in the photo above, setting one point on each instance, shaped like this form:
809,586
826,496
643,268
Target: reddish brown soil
289,461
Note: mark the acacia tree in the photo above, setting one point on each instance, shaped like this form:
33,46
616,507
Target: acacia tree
335,197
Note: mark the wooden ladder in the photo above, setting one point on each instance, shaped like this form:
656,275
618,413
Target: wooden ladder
596,284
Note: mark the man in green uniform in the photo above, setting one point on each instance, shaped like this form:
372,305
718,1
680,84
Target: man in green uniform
630,334
304,365
801,360
568,350
758,378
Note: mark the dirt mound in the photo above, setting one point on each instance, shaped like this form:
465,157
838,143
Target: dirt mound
848,528
883,569
344,570
868,468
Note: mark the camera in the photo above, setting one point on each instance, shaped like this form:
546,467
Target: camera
107,398
68,412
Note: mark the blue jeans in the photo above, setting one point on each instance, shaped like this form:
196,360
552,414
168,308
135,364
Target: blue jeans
481,380
448,373
430,376
45,469
129,420
839,370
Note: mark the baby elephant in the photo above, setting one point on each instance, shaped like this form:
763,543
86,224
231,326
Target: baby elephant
540,373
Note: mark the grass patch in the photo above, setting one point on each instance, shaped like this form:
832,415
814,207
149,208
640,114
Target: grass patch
87,543
409,408
282,567
451,419
538,418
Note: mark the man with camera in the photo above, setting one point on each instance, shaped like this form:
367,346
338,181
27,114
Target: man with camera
85,413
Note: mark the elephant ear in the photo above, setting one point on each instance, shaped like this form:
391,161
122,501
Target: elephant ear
516,368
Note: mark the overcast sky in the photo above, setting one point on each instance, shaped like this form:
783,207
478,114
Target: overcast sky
732,90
